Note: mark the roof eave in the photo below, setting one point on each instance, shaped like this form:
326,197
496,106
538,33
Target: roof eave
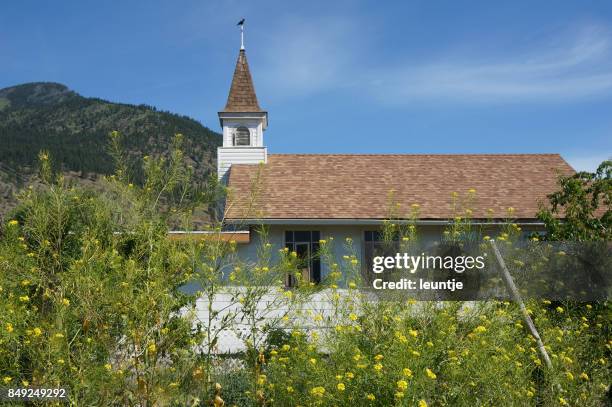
364,221
256,114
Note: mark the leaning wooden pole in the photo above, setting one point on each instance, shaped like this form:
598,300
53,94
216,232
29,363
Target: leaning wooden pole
516,297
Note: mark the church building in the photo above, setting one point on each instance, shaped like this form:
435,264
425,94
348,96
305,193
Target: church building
304,198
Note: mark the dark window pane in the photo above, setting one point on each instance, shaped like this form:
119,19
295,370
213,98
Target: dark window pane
315,248
289,236
316,270
302,236
316,236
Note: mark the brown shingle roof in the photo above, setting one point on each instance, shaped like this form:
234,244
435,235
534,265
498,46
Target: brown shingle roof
298,186
242,96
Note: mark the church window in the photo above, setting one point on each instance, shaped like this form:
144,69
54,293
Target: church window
242,136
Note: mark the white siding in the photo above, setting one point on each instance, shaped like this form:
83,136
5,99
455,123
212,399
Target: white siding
269,310
226,156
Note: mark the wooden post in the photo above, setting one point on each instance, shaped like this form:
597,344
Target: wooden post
516,297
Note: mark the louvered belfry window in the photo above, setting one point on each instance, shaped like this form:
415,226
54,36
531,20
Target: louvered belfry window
242,136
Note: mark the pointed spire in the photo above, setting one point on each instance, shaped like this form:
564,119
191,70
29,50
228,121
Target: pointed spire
242,96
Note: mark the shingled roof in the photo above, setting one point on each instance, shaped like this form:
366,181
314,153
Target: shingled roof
242,96
303,186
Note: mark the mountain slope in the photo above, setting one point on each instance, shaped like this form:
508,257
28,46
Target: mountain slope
74,129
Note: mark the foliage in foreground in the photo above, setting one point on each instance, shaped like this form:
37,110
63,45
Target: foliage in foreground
453,354
90,292
585,203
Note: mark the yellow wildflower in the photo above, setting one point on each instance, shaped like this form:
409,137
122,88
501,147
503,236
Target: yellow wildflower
341,387
318,391
422,403
407,372
430,374
402,385
9,327
371,397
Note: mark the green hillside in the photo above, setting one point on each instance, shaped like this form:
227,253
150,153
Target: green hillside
74,129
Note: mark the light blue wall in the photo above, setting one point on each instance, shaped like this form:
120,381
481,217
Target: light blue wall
275,235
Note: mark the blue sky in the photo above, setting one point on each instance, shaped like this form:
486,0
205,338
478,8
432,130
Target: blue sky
343,76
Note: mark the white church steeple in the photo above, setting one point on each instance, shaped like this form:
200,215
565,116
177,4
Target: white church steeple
242,120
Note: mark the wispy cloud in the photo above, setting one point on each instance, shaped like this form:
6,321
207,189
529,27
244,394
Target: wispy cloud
307,56
311,56
575,67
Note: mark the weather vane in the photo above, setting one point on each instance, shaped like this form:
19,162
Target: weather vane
241,24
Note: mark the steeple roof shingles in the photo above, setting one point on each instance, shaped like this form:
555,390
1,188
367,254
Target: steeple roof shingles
242,97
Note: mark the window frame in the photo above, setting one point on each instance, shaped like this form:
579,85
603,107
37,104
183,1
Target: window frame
310,237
